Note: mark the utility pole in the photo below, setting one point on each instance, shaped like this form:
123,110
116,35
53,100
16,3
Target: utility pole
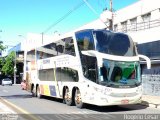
111,21
15,68
42,37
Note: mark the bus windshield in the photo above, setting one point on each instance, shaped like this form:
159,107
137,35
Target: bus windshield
120,74
114,43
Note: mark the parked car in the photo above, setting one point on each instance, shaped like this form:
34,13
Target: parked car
23,85
6,81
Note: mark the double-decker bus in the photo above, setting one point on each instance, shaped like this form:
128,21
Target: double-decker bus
90,66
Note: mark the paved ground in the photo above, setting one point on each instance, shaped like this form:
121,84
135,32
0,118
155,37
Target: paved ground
5,110
151,101
7,113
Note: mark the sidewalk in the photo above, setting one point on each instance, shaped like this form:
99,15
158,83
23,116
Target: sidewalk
151,101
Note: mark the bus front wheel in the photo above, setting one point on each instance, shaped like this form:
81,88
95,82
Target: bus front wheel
78,99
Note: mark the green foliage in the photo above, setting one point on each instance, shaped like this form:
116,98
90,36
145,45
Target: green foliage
8,67
2,61
2,47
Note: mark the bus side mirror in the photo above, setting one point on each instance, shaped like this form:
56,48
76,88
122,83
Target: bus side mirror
147,60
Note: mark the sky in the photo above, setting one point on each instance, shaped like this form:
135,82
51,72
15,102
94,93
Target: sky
19,17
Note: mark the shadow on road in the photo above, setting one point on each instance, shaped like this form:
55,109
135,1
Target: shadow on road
114,108
17,96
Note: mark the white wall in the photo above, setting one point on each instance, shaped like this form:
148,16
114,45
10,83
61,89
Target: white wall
147,35
137,9
35,40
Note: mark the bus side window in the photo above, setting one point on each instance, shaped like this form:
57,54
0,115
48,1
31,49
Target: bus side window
104,73
69,46
89,67
85,43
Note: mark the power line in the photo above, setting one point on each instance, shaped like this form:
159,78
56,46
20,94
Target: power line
63,17
94,11
90,7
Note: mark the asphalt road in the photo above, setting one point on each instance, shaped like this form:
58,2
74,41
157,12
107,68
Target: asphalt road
51,108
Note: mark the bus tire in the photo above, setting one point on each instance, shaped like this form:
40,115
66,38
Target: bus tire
68,97
34,92
78,99
64,95
38,92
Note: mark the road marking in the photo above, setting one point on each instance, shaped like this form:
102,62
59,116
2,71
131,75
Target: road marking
19,109
5,91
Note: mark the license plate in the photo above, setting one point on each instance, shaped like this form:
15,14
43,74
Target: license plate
124,101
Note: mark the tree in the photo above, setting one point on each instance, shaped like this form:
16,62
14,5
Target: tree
2,47
2,61
8,67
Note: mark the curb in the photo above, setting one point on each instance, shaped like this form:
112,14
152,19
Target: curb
153,105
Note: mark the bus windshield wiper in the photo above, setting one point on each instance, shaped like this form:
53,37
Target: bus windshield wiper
136,84
110,85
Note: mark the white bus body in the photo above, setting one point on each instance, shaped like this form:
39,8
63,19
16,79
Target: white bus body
83,68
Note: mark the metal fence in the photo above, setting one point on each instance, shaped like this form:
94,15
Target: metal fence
151,84
138,26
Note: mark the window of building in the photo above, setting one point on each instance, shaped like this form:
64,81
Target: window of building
133,26
116,27
31,55
124,26
146,20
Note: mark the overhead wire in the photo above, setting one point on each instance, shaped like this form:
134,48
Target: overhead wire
63,17
69,12
94,11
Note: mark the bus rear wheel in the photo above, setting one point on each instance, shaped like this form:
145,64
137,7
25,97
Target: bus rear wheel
38,92
78,99
33,91
68,98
